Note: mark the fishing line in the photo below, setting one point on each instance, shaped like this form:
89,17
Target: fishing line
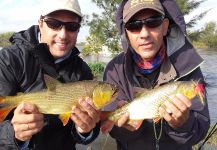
157,137
212,131
106,140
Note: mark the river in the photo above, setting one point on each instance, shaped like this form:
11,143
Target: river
209,69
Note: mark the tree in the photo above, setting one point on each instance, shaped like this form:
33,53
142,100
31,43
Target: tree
103,31
209,35
187,6
4,39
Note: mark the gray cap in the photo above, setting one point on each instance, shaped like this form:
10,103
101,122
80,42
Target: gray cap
134,6
50,6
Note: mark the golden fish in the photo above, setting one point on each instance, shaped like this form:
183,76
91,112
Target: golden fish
147,103
59,98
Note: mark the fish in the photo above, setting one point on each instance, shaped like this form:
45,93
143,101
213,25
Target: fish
146,103
59,97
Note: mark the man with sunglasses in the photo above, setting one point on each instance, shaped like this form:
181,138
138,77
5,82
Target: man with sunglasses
156,52
47,48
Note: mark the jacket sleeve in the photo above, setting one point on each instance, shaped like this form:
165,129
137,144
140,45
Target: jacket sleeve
7,140
85,138
7,87
196,128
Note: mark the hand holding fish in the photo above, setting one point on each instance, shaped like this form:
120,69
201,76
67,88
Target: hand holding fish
176,111
27,121
107,125
85,117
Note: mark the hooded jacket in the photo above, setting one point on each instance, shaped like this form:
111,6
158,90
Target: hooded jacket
183,63
22,69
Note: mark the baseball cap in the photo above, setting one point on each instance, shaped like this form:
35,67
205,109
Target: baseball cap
133,6
49,6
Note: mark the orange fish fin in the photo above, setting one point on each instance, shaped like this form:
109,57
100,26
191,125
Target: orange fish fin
104,115
65,117
200,90
4,112
106,126
51,83
135,123
156,120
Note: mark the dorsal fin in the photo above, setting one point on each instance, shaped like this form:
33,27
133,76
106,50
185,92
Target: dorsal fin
51,83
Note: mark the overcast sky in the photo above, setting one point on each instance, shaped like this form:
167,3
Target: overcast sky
16,15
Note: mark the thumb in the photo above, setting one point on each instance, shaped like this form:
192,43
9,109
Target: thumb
26,108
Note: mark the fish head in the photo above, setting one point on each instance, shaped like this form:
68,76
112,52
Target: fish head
103,94
192,89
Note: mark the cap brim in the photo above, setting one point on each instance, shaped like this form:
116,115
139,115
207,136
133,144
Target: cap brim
136,10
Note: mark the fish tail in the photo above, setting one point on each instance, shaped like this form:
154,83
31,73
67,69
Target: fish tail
200,90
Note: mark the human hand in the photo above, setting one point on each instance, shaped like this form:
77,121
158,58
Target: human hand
176,111
86,116
107,125
27,121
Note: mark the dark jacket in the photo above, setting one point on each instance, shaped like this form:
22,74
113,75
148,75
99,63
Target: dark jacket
182,64
22,69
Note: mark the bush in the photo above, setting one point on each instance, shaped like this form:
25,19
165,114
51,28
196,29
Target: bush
4,39
97,69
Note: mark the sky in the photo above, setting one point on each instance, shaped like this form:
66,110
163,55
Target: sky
17,15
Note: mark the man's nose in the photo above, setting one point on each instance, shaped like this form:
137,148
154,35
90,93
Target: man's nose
144,32
62,32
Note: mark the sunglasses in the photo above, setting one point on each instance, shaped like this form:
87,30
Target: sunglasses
152,22
57,25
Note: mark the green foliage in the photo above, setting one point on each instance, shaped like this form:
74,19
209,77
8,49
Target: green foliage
4,39
103,31
187,6
96,68
206,37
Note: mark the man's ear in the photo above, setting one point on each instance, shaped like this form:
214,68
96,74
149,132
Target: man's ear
40,24
165,26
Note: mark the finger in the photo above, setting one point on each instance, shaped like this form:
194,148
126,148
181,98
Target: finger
129,127
122,120
27,118
28,126
26,135
78,122
90,102
185,100
94,114
30,108
176,113
180,104
25,108
36,125
165,114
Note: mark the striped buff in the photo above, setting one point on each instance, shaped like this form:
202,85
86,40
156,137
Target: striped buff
147,67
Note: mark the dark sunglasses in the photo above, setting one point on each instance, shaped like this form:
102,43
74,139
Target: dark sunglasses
152,22
57,25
